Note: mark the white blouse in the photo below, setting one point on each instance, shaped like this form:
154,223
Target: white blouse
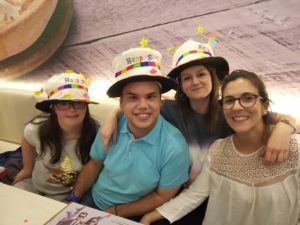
241,189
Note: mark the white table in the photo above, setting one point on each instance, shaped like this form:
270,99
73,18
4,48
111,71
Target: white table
19,207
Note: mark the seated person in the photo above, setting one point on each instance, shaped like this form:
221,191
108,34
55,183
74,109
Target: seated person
150,162
241,188
57,144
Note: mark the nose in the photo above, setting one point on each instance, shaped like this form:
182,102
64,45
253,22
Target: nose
142,103
195,80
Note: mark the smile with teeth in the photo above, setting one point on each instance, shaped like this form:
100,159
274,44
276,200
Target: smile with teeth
142,116
240,118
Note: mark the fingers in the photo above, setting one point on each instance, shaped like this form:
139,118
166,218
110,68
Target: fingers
275,156
285,155
280,157
16,180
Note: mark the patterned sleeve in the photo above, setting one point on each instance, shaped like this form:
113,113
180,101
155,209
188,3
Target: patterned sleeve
297,138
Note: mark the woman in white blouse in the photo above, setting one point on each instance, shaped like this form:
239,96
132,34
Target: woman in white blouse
241,188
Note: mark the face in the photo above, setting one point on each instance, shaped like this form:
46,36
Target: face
196,82
239,118
93,222
81,216
70,115
141,102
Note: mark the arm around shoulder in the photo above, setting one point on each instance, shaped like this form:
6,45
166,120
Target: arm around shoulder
277,147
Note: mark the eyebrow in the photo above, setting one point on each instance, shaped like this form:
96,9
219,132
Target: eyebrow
150,93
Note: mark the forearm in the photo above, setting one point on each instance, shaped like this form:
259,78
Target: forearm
108,130
278,143
87,177
28,155
146,204
292,122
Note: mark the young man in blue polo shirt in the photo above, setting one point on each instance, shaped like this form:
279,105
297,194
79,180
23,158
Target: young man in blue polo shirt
150,161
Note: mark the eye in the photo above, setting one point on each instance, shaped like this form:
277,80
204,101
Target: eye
228,100
186,78
132,97
248,97
79,105
201,74
152,96
63,103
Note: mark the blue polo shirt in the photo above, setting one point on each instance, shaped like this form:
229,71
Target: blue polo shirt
133,168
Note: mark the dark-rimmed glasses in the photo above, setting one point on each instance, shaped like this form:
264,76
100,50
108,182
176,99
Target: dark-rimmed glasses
63,106
246,100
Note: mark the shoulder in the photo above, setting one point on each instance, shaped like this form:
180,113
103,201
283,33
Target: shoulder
168,103
171,135
31,127
218,145
169,106
168,128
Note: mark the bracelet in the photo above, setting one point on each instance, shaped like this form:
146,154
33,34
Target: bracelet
288,123
73,198
116,211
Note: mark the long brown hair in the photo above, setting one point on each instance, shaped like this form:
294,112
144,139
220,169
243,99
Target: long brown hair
50,135
212,118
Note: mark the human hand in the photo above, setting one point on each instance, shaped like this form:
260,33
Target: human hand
23,174
109,130
111,210
277,148
151,217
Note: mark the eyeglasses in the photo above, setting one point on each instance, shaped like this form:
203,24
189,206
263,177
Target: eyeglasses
246,100
63,106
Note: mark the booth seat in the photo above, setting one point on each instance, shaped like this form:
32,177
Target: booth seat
17,108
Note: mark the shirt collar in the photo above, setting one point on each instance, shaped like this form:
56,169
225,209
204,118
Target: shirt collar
151,137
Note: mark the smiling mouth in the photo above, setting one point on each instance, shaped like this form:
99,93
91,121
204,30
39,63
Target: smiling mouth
142,116
240,118
73,116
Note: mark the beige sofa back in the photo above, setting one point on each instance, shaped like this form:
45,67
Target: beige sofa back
17,108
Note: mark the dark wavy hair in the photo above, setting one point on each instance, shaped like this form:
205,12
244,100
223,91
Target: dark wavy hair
50,135
212,119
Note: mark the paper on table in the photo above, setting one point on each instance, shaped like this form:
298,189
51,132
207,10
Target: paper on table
80,213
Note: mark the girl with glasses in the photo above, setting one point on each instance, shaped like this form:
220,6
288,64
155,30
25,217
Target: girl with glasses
196,112
241,188
56,144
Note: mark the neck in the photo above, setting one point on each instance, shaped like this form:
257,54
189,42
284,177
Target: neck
249,142
200,106
139,133
71,133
